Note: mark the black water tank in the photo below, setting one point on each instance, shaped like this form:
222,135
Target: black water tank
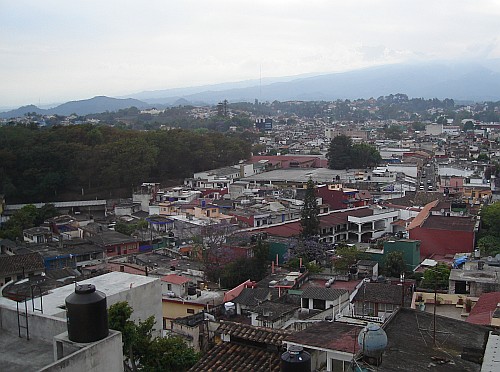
295,360
87,314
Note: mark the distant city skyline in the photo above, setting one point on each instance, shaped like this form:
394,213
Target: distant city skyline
57,51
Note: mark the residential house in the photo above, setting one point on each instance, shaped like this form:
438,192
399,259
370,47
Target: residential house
178,307
37,235
19,266
339,197
197,330
355,225
367,269
474,279
329,343
115,243
75,253
321,298
249,298
274,314
174,285
378,299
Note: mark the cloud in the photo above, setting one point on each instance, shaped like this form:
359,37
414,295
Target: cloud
56,50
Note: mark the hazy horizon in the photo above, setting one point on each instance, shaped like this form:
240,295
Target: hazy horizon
57,51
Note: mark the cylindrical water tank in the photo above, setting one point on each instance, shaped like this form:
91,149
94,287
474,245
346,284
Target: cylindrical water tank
87,314
295,360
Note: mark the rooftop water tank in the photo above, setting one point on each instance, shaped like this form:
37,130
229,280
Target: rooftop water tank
372,340
295,360
87,314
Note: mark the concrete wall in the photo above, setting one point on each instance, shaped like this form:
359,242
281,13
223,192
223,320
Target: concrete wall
146,300
176,308
43,327
442,241
105,355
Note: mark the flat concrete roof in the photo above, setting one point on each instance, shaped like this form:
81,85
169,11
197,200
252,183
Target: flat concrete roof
302,175
480,276
111,284
19,354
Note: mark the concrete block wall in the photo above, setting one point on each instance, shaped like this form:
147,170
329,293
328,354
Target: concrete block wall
103,355
43,327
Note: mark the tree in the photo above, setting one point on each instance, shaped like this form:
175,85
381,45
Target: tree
144,352
490,218
483,157
25,218
469,125
339,152
394,264
307,249
342,154
347,255
489,245
364,156
309,220
393,132
437,277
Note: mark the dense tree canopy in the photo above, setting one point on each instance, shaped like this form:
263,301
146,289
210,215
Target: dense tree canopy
394,264
489,242
41,164
437,277
490,218
342,154
25,218
242,269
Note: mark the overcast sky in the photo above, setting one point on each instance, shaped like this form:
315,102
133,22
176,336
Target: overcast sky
61,50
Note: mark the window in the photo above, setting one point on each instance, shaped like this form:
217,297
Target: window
169,287
190,311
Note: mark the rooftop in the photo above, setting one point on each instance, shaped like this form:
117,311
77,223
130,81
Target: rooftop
175,279
410,342
379,293
10,265
484,309
449,223
23,355
227,356
111,284
319,293
328,336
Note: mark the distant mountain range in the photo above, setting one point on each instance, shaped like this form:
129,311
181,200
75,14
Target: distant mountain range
467,81
84,107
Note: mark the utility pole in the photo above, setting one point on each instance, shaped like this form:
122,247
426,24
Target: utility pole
434,313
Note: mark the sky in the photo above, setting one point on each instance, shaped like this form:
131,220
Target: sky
53,51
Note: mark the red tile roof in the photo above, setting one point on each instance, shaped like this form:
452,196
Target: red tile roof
175,279
482,312
449,223
422,216
335,336
238,358
286,230
248,332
